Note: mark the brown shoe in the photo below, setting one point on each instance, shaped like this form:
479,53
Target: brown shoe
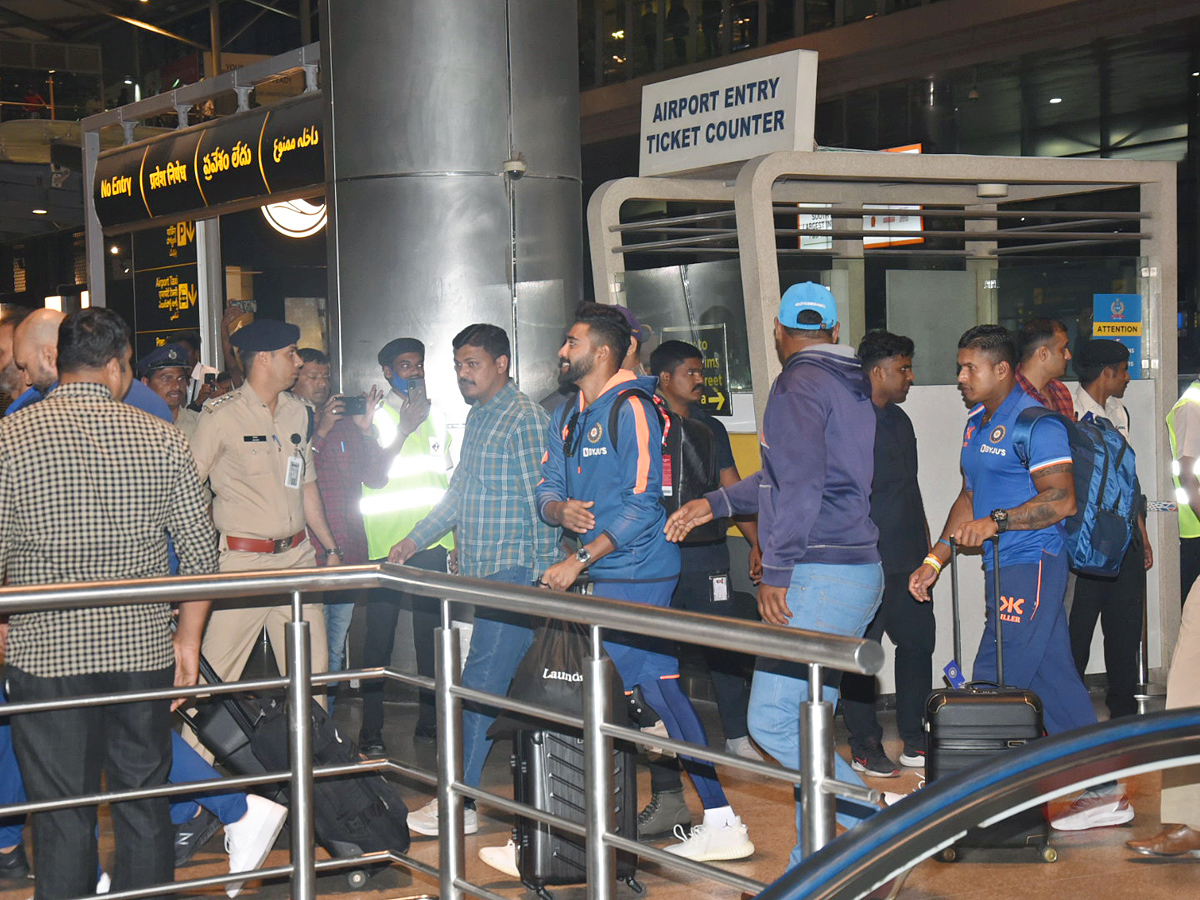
1173,840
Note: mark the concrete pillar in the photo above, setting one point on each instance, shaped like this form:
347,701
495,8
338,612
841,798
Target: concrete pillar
454,186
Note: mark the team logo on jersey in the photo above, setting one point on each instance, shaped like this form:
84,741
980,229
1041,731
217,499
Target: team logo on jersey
997,434
596,432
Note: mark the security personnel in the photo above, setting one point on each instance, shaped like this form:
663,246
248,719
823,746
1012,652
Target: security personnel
254,444
414,433
1183,427
165,371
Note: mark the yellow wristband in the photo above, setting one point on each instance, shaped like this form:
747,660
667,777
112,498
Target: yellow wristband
933,562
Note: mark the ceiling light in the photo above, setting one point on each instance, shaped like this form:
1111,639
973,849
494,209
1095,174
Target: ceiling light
39,212
296,218
1054,100
114,249
1196,74
129,81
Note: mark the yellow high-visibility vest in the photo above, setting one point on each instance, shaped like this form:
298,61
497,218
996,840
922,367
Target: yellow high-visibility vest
1189,525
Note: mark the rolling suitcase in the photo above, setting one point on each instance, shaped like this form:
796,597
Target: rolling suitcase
548,775
352,814
968,726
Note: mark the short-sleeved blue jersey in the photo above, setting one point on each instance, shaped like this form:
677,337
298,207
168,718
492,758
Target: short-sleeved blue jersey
997,479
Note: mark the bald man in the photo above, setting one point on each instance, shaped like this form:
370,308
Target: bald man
35,353
11,382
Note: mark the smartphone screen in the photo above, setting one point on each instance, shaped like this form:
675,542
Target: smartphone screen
416,390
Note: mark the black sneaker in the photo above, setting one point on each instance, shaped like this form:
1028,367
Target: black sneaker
372,746
194,834
874,762
14,865
913,757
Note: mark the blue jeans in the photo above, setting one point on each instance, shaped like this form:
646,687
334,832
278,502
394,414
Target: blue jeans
12,786
188,765
835,600
498,644
339,610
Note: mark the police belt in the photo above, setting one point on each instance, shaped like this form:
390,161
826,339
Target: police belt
264,545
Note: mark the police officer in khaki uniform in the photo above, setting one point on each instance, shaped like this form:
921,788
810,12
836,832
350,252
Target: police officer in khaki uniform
165,371
254,444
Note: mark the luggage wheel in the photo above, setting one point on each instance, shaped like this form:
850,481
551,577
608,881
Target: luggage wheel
948,855
635,885
544,894
1048,853
357,879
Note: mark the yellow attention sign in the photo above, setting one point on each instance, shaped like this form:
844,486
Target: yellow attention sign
1117,329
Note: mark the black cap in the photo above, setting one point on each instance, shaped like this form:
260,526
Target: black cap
265,335
392,349
1101,352
169,356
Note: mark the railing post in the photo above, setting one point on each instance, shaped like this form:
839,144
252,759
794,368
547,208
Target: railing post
817,806
598,771
450,765
299,665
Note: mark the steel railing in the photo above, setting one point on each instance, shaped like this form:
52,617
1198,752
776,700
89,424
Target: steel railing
818,787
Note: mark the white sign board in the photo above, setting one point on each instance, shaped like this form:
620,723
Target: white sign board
729,114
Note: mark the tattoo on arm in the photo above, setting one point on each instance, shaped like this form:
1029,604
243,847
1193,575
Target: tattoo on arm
1038,512
1060,469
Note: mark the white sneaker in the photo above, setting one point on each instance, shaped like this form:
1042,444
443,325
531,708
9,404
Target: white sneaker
425,820
707,844
250,838
503,859
103,883
743,747
1090,811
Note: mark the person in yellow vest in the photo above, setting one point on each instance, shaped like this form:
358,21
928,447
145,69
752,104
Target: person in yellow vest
1183,426
413,432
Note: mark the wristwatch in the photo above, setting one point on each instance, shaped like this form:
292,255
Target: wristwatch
334,551
584,555
1000,517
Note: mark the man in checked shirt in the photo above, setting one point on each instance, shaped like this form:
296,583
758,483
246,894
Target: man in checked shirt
490,503
89,489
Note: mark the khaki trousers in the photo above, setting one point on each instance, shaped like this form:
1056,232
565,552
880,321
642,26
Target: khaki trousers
1181,786
234,626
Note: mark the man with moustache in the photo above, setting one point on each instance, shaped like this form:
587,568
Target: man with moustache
490,505
1025,505
164,370
1042,345
10,375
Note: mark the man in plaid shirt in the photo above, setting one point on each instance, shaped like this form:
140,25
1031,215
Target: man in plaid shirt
490,502
89,489
1043,357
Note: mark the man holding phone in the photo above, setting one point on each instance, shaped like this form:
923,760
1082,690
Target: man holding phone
412,435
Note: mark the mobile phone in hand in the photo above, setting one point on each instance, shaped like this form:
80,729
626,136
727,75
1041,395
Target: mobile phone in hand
416,390
354,406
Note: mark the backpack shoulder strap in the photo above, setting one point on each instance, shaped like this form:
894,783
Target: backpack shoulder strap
1023,429
614,413
312,422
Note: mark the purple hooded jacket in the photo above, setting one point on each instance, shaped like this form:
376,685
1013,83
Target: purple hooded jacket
813,493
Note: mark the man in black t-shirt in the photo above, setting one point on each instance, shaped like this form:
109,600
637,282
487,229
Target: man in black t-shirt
899,514
703,580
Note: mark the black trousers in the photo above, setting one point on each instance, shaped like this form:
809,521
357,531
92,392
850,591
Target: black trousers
730,672
1117,603
383,610
1189,565
65,753
910,625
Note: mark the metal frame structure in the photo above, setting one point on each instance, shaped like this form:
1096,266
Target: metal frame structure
847,654
749,199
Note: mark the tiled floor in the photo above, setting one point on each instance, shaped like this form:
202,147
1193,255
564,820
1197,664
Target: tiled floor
1091,864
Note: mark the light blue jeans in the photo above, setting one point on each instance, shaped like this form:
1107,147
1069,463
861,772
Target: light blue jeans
339,610
498,644
835,600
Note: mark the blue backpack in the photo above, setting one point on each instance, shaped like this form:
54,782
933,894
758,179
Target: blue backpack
1106,490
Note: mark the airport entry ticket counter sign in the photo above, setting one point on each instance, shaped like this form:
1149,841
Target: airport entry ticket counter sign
714,392
1118,317
729,114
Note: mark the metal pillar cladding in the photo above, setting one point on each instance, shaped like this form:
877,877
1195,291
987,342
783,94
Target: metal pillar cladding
447,665
817,804
598,771
299,694
454,187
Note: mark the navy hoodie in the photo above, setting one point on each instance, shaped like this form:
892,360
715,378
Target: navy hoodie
624,479
813,493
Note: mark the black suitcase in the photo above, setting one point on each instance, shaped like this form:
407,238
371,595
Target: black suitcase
352,814
967,727
548,775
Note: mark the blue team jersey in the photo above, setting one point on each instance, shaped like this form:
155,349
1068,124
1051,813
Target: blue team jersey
997,479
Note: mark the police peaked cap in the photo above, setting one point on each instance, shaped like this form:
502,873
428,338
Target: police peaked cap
169,356
265,335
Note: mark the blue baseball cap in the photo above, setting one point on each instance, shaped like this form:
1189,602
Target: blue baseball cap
808,295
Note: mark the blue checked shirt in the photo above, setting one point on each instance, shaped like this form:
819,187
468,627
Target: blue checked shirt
491,495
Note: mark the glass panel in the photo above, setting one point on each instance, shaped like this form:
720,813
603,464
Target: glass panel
614,42
645,54
744,31
711,21
819,15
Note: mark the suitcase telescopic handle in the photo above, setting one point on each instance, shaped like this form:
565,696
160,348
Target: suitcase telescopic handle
954,550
